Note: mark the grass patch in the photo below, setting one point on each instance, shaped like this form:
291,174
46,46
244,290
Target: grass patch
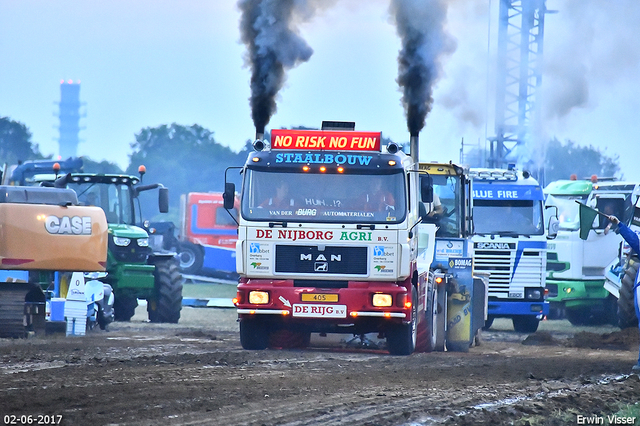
208,291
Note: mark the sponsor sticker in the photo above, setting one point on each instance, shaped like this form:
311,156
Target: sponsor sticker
319,311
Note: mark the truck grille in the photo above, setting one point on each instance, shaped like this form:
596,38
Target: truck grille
501,263
311,260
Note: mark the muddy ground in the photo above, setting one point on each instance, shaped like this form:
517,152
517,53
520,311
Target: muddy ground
196,373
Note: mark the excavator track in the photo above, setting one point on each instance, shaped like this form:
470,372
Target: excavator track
22,309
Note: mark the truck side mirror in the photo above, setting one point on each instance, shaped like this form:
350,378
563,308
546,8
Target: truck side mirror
552,228
426,188
554,223
229,195
163,200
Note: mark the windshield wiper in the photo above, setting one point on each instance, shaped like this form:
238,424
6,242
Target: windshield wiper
273,224
510,234
371,226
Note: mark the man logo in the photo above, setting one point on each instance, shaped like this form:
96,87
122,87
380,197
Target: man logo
378,250
254,248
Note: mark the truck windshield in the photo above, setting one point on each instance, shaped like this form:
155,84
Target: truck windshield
568,210
114,199
500,217
330,198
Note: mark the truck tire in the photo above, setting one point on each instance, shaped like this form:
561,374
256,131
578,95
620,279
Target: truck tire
124,307
401,338
626,309
441,327
525,323
431,319
254,334
167,304
488,322
191,258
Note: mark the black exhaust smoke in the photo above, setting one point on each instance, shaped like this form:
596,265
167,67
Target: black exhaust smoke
268,30
420,25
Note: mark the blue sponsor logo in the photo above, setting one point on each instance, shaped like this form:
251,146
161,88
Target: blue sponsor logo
378,250
254,248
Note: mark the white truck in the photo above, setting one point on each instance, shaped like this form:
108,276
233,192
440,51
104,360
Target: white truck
576,267
510,244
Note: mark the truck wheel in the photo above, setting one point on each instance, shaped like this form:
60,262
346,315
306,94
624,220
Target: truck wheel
167,304
254,335
401,339
432,321
441,327
626,309
488,322
191,258
525,323
124,307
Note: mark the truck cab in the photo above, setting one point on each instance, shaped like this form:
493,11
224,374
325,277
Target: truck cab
510,242
576,266
328,242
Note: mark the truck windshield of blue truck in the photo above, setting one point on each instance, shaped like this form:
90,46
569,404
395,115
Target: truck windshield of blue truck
507,209
319,197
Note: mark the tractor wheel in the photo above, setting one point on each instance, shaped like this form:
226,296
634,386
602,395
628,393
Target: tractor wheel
124,307
401,338
254,334
191,258
167,304
626,309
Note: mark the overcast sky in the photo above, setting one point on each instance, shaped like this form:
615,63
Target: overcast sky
144,63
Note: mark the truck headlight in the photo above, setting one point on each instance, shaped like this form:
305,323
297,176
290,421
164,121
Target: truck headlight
143,242
533,293
122,242
382,300
258,297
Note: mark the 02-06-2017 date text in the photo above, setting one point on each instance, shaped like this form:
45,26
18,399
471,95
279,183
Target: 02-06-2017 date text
36,419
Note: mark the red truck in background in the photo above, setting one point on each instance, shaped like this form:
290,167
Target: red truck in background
208,235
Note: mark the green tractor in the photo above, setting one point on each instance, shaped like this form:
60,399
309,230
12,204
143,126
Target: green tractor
134,270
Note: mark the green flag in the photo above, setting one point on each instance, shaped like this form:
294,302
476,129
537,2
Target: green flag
587,215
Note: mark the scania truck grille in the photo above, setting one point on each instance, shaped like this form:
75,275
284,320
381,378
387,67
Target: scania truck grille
500,265
329,260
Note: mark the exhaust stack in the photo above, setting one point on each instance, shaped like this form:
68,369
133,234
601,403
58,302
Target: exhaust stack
414,144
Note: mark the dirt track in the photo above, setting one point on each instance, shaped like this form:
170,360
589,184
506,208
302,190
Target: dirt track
196,373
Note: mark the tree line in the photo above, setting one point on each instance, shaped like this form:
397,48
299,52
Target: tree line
188,159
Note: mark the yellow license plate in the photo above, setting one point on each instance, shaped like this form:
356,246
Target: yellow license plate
319,297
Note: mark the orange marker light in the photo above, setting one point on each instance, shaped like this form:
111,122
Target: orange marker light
438,280
305,168
323,169
407,305
340,169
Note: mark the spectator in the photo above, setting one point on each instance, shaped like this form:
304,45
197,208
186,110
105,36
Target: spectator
632,239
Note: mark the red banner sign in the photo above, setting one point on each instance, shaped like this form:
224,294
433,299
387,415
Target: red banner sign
325,140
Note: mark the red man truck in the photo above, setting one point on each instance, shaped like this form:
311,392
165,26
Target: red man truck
330,240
